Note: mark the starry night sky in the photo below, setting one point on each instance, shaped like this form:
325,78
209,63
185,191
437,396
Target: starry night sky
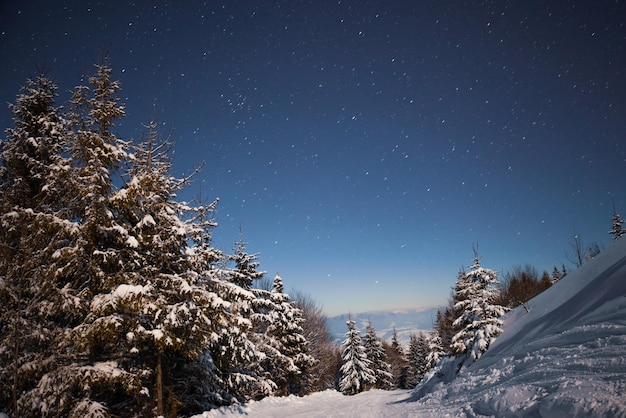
364,146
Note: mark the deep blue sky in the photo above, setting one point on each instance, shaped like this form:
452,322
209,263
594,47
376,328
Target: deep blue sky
364,147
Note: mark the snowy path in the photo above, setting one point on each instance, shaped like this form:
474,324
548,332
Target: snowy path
371,404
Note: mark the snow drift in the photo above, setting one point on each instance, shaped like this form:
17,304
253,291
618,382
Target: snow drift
564,357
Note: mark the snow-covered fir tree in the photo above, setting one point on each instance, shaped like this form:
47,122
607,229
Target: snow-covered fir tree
356,369
88,380
98,155
231,358
417,358
166,315
246,270
33,166
376,354
435,350
444,325
398,361
285,327
238,354
479,317
36,306
617,229
463,289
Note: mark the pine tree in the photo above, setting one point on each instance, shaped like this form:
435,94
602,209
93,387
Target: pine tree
375,352
479,317
246,271
32,160
558,274
398,361
444,325
293,374
98,155
461,295
435,351
356,369
228,371
164,310
239,354
90,260
417,358
36,308
618,225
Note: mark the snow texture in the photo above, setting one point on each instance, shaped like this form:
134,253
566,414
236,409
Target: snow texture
564,358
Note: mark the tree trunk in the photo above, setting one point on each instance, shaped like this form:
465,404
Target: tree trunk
16,360
16,354
159,384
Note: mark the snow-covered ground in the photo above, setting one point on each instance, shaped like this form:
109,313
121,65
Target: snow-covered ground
566,357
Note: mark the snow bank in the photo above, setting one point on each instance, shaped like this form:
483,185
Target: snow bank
330,403
566,357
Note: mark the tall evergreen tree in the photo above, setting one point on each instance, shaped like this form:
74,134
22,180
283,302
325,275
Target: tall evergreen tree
237,354
417,358
293,374
617,229
375,352
91,263
479,316
444,325
435,350
398,361
231,359
163,311
245,272
33,166
98,155
356,369
36,308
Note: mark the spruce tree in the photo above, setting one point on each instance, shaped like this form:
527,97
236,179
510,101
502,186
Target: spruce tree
237,353
479,316
245,272
163,309
356,369
293,359
417,358
398,361
375,352
444,325
435,350
36,308
98,155
226,372
90,262
617,229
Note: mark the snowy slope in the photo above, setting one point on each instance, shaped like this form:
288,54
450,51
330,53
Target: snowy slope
564,358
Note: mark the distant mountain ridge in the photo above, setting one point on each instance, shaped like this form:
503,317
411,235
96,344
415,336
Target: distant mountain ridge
405,321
